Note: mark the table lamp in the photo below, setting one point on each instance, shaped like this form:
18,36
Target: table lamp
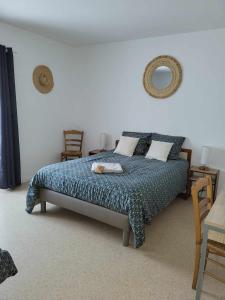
204,158
103,138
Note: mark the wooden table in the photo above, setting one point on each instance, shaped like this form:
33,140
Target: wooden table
214,221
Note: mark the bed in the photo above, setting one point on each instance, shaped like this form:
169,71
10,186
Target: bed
127,201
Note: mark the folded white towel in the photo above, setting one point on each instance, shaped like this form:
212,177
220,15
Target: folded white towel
108,167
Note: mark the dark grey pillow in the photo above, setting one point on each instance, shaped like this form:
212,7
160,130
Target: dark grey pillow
176,140
143,144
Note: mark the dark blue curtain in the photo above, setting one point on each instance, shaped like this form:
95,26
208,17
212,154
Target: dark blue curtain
10,174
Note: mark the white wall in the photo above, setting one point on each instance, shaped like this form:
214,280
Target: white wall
99,88
42,118
117,101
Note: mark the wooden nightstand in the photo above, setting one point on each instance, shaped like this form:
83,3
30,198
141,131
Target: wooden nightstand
96,151
196,173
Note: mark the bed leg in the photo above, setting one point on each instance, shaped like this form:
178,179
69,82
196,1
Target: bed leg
126,236
43,206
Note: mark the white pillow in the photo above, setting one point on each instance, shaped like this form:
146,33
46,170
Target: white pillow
126,145
159,150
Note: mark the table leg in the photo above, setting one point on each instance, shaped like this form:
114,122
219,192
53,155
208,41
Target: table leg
202,262
215,187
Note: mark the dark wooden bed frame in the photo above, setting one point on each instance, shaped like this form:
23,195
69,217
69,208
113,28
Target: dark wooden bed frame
97,212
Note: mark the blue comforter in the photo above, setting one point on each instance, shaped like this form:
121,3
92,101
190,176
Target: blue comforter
141,191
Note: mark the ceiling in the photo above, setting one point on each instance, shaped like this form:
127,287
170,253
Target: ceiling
84,22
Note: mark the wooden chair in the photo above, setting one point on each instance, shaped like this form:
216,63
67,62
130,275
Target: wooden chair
73,140
216,240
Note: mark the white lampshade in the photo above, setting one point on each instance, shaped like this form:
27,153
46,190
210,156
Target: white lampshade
205,155
103,140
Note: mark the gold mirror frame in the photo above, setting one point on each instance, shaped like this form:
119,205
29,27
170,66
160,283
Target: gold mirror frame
173,65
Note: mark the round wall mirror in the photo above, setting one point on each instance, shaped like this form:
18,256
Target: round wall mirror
162,76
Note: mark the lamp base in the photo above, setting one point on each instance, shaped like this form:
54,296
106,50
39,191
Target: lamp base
203,168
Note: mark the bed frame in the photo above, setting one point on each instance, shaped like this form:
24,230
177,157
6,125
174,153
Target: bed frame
97,212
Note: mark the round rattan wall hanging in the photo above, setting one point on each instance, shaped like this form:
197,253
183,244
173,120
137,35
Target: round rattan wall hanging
43,79
162,76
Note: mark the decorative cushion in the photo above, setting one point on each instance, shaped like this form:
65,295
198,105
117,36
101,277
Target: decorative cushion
176,140
159,150
126,145
144,141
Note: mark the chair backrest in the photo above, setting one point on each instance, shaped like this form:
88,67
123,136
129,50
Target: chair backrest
73,140
202,205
